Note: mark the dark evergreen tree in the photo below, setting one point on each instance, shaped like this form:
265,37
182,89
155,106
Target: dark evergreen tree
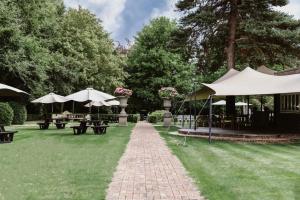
238,32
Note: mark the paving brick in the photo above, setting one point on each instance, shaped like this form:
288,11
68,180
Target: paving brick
148,170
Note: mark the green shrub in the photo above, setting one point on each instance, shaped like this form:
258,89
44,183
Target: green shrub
6,114
159,114
133,118
20,113
152,119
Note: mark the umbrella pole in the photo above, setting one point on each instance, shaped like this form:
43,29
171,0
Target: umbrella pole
98,114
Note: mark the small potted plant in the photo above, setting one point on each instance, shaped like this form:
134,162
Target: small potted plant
123,94
167,94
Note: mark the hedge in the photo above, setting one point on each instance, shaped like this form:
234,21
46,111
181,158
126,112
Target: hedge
159,114
6,114
20,113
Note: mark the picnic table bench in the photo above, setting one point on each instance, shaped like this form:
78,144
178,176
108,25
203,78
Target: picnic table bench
60,125
99,129
80,129
6,136
43,125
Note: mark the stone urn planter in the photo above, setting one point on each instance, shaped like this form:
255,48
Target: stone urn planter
123,115
167,114
167,94
123,95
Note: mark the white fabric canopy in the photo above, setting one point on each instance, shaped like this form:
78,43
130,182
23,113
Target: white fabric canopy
7,91
249,82
90,94
50,98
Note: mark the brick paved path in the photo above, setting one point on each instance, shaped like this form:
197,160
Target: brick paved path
148,170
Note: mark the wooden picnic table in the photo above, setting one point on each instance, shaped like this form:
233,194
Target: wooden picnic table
60,125
43,125
6,136
99,129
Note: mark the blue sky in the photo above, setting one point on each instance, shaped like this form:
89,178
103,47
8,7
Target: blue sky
124,18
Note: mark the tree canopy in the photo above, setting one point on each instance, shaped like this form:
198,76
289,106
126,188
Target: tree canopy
45,48
238,33
152,64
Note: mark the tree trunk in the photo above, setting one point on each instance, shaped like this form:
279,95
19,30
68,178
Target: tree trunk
232,23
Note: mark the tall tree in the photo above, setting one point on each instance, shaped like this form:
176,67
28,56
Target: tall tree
45,48
152,64
238,32
89,52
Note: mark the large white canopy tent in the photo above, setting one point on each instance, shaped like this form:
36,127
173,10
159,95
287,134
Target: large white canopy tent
246,83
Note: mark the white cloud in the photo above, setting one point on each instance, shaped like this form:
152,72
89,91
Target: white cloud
109,11
168,11
293,8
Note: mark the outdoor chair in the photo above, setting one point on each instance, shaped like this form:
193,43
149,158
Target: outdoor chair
227,122
80,129
6,136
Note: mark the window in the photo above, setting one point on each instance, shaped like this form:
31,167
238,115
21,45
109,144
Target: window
290,103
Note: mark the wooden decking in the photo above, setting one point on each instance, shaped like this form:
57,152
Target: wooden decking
241,135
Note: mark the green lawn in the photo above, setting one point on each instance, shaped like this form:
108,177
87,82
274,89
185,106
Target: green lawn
55,164
225,170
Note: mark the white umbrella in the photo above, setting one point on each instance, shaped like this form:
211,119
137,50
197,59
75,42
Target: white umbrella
220,103
9,92
242,104
50,98
223,103
90,94
114,103
97,104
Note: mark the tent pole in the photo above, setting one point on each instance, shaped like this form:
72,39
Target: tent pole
73,107
248,108
210,117
52,107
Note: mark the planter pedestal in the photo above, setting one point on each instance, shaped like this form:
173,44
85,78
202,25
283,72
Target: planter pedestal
123,115
167,114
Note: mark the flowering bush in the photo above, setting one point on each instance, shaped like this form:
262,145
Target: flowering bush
168,92
123,92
